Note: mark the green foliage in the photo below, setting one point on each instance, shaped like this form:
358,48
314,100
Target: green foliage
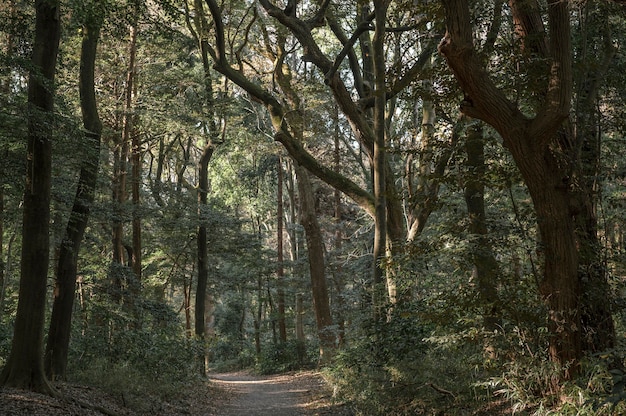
287,356
113,352
528,384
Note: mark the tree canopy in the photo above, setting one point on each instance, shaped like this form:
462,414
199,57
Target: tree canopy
406,194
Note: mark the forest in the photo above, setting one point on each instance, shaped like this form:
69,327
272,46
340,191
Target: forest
422,200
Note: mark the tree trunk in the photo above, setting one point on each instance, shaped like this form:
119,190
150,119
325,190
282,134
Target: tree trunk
379,165
301,346
2,263
123,284
280,272
315,248
6,90
597,321
24,368
485,272
540,150
131,149
202,306
136,155
338,280
60,322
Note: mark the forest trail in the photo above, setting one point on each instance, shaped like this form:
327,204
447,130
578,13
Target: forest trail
227,394
291,394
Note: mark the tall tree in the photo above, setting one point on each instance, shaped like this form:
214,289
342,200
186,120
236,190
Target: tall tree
485,270
280,272
542,150
25,368
315,249
379,164
300,25
204,299
60,322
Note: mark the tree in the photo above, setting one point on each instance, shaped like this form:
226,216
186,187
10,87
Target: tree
300,26
60,321
542,150
280,271
25,368
379,157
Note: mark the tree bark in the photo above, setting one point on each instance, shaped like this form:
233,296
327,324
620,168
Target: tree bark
597,321
280,272
24,368
204,300
485,271
60,322
379,164
131,152
540,150
315,248
202,306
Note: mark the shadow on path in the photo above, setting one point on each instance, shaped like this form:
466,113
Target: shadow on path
277,395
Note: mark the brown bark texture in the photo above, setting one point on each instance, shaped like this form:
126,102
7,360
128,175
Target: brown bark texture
540,146
63,304
24,368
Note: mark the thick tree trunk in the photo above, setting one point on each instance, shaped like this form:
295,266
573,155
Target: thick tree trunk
540,150
60,322
315,248
24,368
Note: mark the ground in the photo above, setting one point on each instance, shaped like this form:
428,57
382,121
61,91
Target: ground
227,394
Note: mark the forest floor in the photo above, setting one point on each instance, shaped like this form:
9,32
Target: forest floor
227,394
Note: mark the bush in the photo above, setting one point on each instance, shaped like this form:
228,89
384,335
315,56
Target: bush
282,357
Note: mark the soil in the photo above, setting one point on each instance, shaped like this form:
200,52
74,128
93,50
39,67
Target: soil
227,394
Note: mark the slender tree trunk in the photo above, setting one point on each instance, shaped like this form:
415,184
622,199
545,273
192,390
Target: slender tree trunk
130,152
2,263
338,272
24,367
597,321
258,315
315,248
301,347
204,300
6,89
187,305
202,306
485,272
60,322
121,255
379,162
136,155
280,273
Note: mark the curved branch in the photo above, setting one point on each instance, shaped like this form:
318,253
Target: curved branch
483,100
347,46
277,115
560,82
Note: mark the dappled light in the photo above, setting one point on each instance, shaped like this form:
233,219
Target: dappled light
280,207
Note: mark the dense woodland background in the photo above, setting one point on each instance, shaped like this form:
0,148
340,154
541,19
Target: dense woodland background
425,198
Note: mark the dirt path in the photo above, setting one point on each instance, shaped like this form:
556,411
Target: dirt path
290,394
229,394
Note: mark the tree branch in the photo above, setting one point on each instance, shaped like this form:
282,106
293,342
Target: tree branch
483,100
